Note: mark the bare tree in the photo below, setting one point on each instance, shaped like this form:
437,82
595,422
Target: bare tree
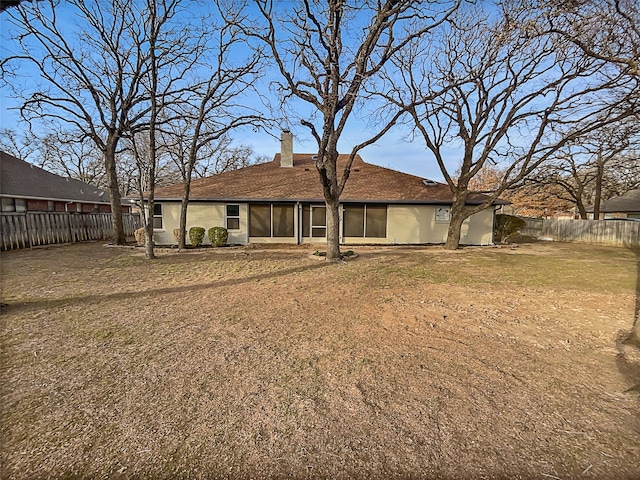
211,158
326,53
608,30
510,98
213,108
21,145
594,168
90,75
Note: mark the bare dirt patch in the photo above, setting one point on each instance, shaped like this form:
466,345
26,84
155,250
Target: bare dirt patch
263,363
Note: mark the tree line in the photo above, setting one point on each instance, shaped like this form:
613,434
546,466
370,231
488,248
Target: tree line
522,92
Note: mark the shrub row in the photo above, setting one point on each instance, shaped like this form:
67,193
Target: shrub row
218,236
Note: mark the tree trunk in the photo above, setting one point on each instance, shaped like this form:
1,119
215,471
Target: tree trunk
149,245
333,230
118,236
327,169
598,192
582,210
182,242
458,215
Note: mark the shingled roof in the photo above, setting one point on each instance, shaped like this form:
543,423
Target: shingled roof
629,202
271,182
21,179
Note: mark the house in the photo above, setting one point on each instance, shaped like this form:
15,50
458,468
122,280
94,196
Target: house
27,188
282,202
623,206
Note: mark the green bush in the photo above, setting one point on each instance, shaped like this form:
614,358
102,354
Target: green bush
141,236
196,235
507,226
218,236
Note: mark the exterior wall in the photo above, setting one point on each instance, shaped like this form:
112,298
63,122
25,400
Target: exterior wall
406,224
205,215
415,224
479,228
37,205
41,205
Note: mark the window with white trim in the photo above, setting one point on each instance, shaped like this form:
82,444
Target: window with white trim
157,216
232,217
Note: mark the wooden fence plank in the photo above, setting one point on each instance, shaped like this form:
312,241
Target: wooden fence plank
23,230
616,233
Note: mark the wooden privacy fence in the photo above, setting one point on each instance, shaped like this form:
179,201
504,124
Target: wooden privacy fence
597,232
24,230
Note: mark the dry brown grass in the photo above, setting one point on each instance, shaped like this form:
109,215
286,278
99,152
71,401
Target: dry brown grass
265,363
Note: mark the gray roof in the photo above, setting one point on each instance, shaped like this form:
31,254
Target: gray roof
20,179
627,203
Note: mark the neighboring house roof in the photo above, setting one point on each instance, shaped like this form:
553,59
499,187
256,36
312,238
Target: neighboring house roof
271,182
629,202
20,179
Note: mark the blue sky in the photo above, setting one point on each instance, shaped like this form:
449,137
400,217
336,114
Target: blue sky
392,151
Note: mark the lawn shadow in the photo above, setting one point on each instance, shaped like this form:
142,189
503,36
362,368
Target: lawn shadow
156,292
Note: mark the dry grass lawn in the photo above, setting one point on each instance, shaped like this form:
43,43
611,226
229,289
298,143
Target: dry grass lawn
266,363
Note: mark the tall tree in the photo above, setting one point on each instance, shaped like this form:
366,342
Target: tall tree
510,98
608,30
90,74
326,52
588,170
216,106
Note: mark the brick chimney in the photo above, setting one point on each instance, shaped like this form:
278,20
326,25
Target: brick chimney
286,149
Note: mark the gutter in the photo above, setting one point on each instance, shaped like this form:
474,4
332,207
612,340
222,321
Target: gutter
319,200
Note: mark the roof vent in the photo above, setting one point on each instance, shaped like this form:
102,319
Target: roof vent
429,183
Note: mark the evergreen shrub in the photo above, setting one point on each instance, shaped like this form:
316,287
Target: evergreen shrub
196,235
218,236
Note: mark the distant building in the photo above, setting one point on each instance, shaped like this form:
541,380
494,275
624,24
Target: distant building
623,206
27,188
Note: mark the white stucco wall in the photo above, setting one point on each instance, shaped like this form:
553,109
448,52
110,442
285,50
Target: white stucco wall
406,224
204,215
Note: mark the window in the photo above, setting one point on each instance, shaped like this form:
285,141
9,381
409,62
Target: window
260,220
368,221
157,215
376,221
51,206
282,219
314,220
271,220
354,221
14,205
8,205
233,217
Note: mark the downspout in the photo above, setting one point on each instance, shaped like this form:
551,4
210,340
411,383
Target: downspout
298,223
